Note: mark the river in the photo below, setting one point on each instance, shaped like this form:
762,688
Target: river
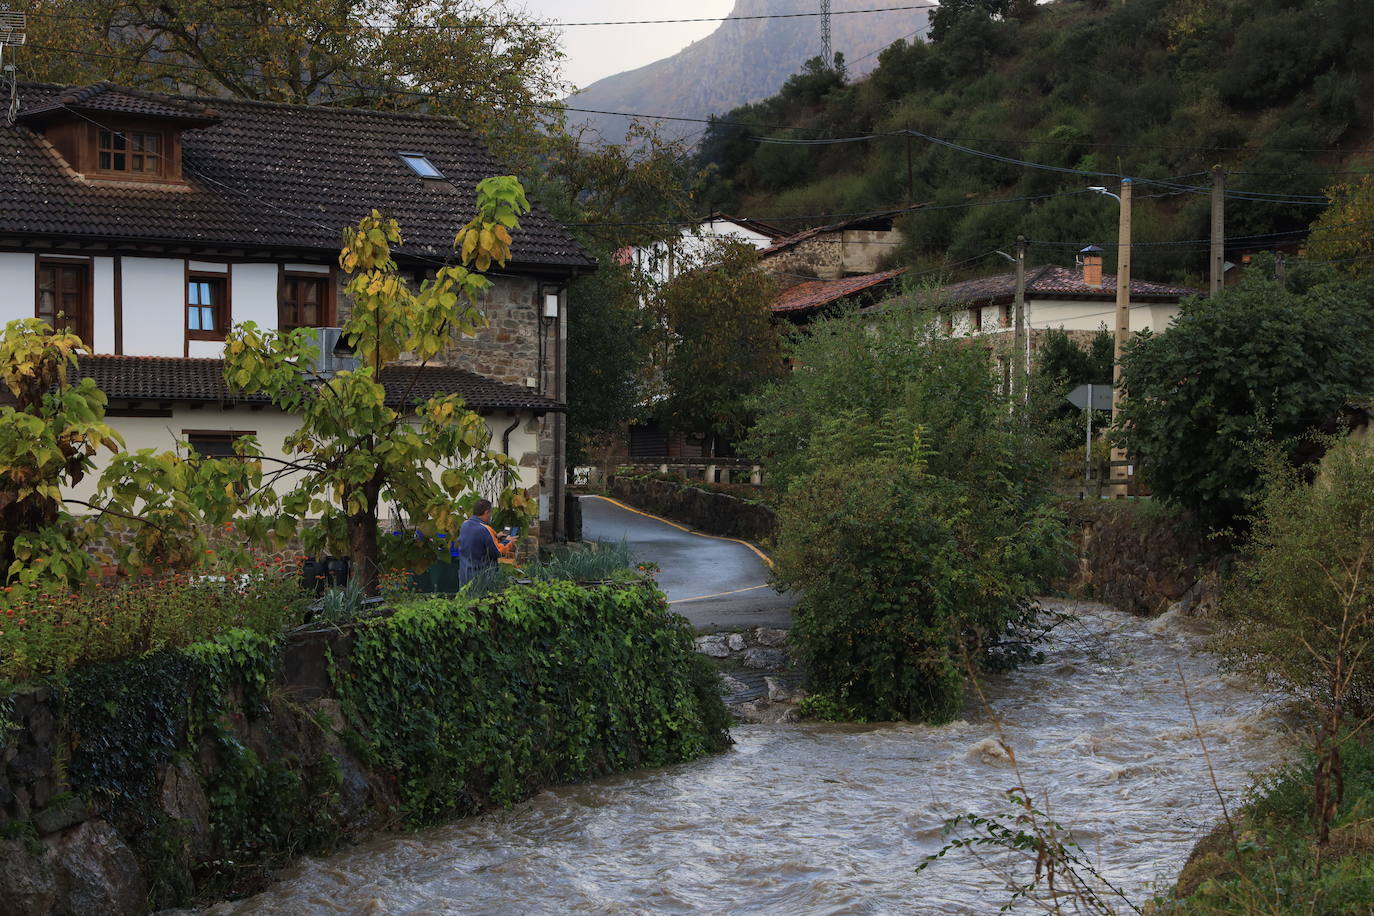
832,819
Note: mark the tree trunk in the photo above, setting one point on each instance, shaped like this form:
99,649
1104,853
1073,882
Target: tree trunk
363,553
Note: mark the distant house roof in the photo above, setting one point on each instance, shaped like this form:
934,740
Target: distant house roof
169,378
261,175
878,221
1049,282
815,294
754,225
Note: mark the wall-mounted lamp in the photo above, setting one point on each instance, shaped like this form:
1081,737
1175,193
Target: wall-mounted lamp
552,298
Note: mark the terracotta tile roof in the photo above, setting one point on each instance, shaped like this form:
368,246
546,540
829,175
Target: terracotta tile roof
813,294
168,378
1049,281
267,176
106,97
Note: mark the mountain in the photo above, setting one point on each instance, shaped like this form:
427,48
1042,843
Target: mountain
740,62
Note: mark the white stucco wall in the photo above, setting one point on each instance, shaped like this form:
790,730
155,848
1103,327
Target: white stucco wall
1074,315
154,306
255,294
17,281
272,426
102,304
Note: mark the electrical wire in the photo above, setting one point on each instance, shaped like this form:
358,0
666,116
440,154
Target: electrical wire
550,24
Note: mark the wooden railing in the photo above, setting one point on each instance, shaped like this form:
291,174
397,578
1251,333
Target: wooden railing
712,470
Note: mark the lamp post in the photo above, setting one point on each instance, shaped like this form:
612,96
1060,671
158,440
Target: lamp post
1020,365
1119,472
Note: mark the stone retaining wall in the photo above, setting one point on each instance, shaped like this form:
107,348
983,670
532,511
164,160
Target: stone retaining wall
1140,560
704,510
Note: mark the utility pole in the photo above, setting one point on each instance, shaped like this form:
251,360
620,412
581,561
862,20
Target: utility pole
827,59
1019,380
1123,325
1281,269
1218,266
910,183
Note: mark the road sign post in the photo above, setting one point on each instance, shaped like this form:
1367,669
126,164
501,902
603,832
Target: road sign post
1090,398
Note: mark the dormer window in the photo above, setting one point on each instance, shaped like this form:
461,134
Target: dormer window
420,165
136,152
111,134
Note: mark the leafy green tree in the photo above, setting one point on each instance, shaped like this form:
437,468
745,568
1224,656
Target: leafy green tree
1301,614
352,453
50,433
914,522
613,197
1253,366
717,342
485,62
1343,232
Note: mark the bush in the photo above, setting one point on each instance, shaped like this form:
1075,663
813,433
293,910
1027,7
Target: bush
1253,366
915,525
539,685
48,634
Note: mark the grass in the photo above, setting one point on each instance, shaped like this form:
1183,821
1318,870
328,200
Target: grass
1273,866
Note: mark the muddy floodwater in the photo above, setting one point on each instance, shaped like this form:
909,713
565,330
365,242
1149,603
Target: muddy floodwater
834,819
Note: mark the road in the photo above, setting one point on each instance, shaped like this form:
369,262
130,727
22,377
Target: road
717,584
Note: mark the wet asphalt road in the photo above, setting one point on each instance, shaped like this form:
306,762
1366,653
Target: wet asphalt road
715,584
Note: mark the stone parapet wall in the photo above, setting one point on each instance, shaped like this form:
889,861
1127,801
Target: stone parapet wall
704,510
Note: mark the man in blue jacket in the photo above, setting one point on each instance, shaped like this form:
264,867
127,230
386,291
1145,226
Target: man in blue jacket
478,546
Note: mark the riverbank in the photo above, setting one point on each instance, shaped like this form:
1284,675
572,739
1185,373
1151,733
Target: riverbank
817,817
195,774
1264,859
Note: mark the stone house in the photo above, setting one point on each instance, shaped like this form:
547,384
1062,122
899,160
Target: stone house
151,223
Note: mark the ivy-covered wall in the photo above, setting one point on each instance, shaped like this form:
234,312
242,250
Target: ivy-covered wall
192,774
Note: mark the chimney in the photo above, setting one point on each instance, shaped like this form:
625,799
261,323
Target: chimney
1091,259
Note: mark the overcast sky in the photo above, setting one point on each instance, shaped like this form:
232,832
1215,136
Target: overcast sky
597,51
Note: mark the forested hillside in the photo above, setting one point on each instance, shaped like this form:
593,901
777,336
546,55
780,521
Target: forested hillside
1279,92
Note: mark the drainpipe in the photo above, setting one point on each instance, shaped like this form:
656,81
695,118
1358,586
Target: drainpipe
505,436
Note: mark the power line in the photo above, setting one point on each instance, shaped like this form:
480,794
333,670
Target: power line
1032,141
551,24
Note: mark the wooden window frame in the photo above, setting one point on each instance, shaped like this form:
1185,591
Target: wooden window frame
224,312
131,136
85,328
328,305
1004,315
975,319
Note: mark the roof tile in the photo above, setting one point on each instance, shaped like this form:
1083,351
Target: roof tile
170,378
812,294
267,175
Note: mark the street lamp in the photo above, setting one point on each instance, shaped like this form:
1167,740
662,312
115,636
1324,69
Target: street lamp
1123,307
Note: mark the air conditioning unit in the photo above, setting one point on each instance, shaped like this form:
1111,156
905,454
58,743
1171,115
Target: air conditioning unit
331,354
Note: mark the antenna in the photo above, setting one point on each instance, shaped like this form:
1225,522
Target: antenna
827,59
12,35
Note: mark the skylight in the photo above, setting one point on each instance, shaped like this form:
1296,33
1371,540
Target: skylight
420,165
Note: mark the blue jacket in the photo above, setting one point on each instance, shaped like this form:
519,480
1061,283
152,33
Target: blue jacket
476,549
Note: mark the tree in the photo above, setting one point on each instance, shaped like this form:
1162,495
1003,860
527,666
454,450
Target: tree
483,62
717,342
352,453
49,436
1300,617
914,524
1254,365
1342,233
613,197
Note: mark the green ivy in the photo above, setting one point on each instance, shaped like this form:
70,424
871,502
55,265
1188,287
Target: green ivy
470,703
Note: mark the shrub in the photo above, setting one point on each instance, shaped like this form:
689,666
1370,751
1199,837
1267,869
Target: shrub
48,634
915,525
538,685
1301,613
